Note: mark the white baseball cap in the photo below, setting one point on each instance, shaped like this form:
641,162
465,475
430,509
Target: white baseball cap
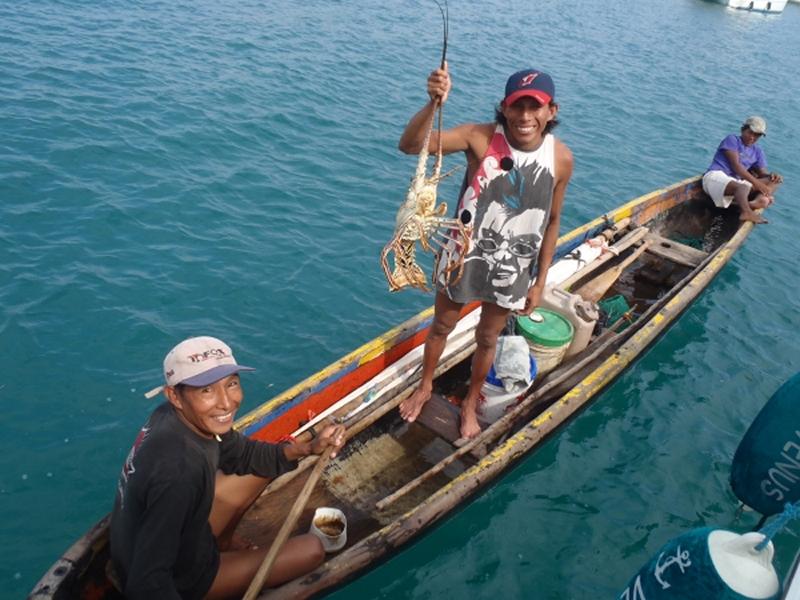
756,124
198,361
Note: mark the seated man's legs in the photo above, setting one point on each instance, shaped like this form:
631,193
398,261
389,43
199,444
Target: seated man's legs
233,495
721,187
740,190
237,568
759,200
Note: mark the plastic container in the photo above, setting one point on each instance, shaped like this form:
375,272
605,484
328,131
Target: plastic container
330,526
548,334
581,313
613,308
495,400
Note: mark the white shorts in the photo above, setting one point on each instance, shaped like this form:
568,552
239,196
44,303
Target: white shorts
714,184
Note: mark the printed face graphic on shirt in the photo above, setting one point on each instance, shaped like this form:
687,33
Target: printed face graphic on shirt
506,244
509,225
506,205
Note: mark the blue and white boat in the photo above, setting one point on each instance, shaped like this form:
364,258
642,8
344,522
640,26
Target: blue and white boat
770,6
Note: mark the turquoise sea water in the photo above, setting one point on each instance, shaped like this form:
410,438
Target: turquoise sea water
180,168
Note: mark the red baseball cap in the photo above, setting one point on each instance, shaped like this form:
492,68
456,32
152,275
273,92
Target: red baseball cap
530,82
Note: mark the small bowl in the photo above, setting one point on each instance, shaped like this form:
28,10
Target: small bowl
330,526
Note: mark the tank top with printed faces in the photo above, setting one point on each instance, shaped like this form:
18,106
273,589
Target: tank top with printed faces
506,208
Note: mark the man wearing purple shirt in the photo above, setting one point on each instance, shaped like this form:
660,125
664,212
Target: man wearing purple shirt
739,172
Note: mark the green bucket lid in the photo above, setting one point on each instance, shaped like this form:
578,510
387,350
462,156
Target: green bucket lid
552,330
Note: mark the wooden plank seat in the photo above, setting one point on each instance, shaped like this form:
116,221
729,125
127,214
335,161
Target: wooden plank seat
674,251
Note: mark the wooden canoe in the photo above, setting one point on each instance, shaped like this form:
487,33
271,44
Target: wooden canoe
395,480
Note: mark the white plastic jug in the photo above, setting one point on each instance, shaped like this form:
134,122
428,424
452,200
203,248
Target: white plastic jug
582,314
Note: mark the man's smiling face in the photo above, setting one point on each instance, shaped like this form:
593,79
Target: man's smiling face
526,120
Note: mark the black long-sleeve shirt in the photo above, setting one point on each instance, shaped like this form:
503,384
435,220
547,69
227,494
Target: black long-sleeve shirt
161,542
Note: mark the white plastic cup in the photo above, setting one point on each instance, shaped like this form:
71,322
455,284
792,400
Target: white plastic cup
324,525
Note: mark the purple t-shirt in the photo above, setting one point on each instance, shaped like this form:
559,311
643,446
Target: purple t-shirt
749,156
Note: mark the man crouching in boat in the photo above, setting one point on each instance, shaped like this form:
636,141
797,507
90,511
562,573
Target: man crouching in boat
517,174
739,172
189,479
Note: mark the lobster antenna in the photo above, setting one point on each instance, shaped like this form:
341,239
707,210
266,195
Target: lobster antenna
437,168
445,27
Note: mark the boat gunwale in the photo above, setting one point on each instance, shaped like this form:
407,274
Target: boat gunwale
73,562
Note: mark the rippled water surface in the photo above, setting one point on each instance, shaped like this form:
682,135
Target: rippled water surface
177,168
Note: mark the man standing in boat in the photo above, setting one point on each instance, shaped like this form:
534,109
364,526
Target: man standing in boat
517,175
189,479
739,172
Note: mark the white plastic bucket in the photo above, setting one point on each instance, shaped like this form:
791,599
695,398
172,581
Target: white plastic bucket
330,526
494,400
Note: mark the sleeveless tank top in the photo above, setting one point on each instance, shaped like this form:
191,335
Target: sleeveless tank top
507,207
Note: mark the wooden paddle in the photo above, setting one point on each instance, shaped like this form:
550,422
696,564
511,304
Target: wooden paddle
597,287
299,504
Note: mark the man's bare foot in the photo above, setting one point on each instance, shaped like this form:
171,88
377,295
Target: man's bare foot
469,424
761,201
753,217
412,406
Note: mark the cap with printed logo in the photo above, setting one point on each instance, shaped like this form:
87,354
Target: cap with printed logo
756,124
529,82
198,361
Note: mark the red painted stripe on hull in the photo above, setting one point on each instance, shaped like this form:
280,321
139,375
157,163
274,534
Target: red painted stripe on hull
318,402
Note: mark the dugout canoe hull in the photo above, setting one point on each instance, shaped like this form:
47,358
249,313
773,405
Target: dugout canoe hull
80,572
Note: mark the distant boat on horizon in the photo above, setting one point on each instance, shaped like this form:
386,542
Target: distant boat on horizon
769,6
